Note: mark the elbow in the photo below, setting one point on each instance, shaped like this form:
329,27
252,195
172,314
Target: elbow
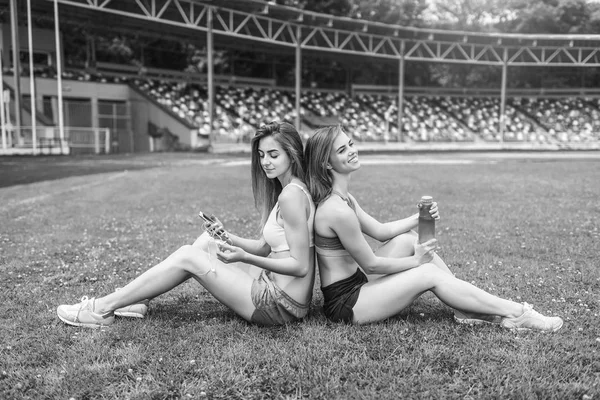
263,251
370,268
369,271
301,272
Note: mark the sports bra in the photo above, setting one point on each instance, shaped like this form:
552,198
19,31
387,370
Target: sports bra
274,233
331,246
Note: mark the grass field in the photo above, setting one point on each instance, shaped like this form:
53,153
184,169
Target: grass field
521,228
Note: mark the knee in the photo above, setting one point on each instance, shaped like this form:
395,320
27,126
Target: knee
405,241
202,241
189,257
430,273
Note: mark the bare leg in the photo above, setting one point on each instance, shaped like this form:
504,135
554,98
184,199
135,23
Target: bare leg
387,296
404,246
204,242
230,285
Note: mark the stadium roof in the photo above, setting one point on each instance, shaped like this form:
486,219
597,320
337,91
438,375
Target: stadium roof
296,15
255,24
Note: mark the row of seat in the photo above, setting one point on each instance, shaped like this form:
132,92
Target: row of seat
240,110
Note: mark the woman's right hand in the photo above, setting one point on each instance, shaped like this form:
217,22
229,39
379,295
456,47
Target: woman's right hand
424,251
216,230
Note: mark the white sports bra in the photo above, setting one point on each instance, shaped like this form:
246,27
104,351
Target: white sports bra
274,233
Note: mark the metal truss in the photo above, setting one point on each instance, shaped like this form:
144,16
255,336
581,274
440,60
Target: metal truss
410,45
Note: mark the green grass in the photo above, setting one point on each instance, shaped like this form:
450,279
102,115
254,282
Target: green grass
525,230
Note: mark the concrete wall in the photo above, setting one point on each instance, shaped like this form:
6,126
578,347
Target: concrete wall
144,110
43,41
141,109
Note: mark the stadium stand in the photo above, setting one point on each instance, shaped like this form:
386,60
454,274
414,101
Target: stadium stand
241,108
139,104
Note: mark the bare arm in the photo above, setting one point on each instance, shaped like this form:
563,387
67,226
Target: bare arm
383,231
296,232
386,231
257,247
254,246
348,229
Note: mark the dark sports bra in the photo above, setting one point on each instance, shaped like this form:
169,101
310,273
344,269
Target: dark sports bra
331,246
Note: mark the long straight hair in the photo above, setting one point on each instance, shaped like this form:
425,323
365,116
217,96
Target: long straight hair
316,156
266,191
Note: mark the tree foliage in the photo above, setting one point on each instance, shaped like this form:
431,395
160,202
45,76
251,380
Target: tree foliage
551,16
468,15
398,12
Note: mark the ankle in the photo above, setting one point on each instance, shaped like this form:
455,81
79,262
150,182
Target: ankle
101,308
516,311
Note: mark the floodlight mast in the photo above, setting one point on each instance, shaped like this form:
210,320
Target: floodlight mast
31,79
61,122
14,25
210,70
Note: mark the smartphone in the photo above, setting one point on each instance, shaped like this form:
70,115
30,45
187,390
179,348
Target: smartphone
207,218
221,235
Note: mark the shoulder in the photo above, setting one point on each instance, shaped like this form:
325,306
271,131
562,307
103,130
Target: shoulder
358,209
294,194
292,199
353,199
334,209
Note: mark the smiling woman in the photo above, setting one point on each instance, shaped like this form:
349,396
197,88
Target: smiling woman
361,285
267,281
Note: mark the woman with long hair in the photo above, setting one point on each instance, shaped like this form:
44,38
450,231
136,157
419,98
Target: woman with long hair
268,281
401,269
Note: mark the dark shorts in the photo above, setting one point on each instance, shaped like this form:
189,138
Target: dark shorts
273,305
341,296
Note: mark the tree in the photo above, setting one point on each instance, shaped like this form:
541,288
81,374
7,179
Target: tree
398,12
468,15
549,16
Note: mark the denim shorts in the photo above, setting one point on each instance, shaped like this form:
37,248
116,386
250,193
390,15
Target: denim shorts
273,305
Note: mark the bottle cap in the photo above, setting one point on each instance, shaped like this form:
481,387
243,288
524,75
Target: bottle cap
426,200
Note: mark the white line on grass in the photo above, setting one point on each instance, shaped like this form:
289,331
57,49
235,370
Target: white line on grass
388,161
44,196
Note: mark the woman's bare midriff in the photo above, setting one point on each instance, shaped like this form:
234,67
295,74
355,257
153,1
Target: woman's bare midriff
296,287
333,269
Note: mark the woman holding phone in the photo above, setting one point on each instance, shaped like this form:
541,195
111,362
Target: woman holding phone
268,281
401,269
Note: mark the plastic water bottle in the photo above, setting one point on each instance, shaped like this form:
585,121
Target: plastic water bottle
426,221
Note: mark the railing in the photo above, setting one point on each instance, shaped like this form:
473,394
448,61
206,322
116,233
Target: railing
392,91
48,140
140,72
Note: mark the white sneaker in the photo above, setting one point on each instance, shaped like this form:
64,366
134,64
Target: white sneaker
137,310
531,319
82,314
470,318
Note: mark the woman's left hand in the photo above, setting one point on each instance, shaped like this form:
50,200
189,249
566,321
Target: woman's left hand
230,254
434,211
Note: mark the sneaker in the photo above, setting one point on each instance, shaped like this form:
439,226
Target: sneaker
531,319
137,310
471,318
82,314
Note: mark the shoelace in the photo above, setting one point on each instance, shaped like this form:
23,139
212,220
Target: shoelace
83,303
